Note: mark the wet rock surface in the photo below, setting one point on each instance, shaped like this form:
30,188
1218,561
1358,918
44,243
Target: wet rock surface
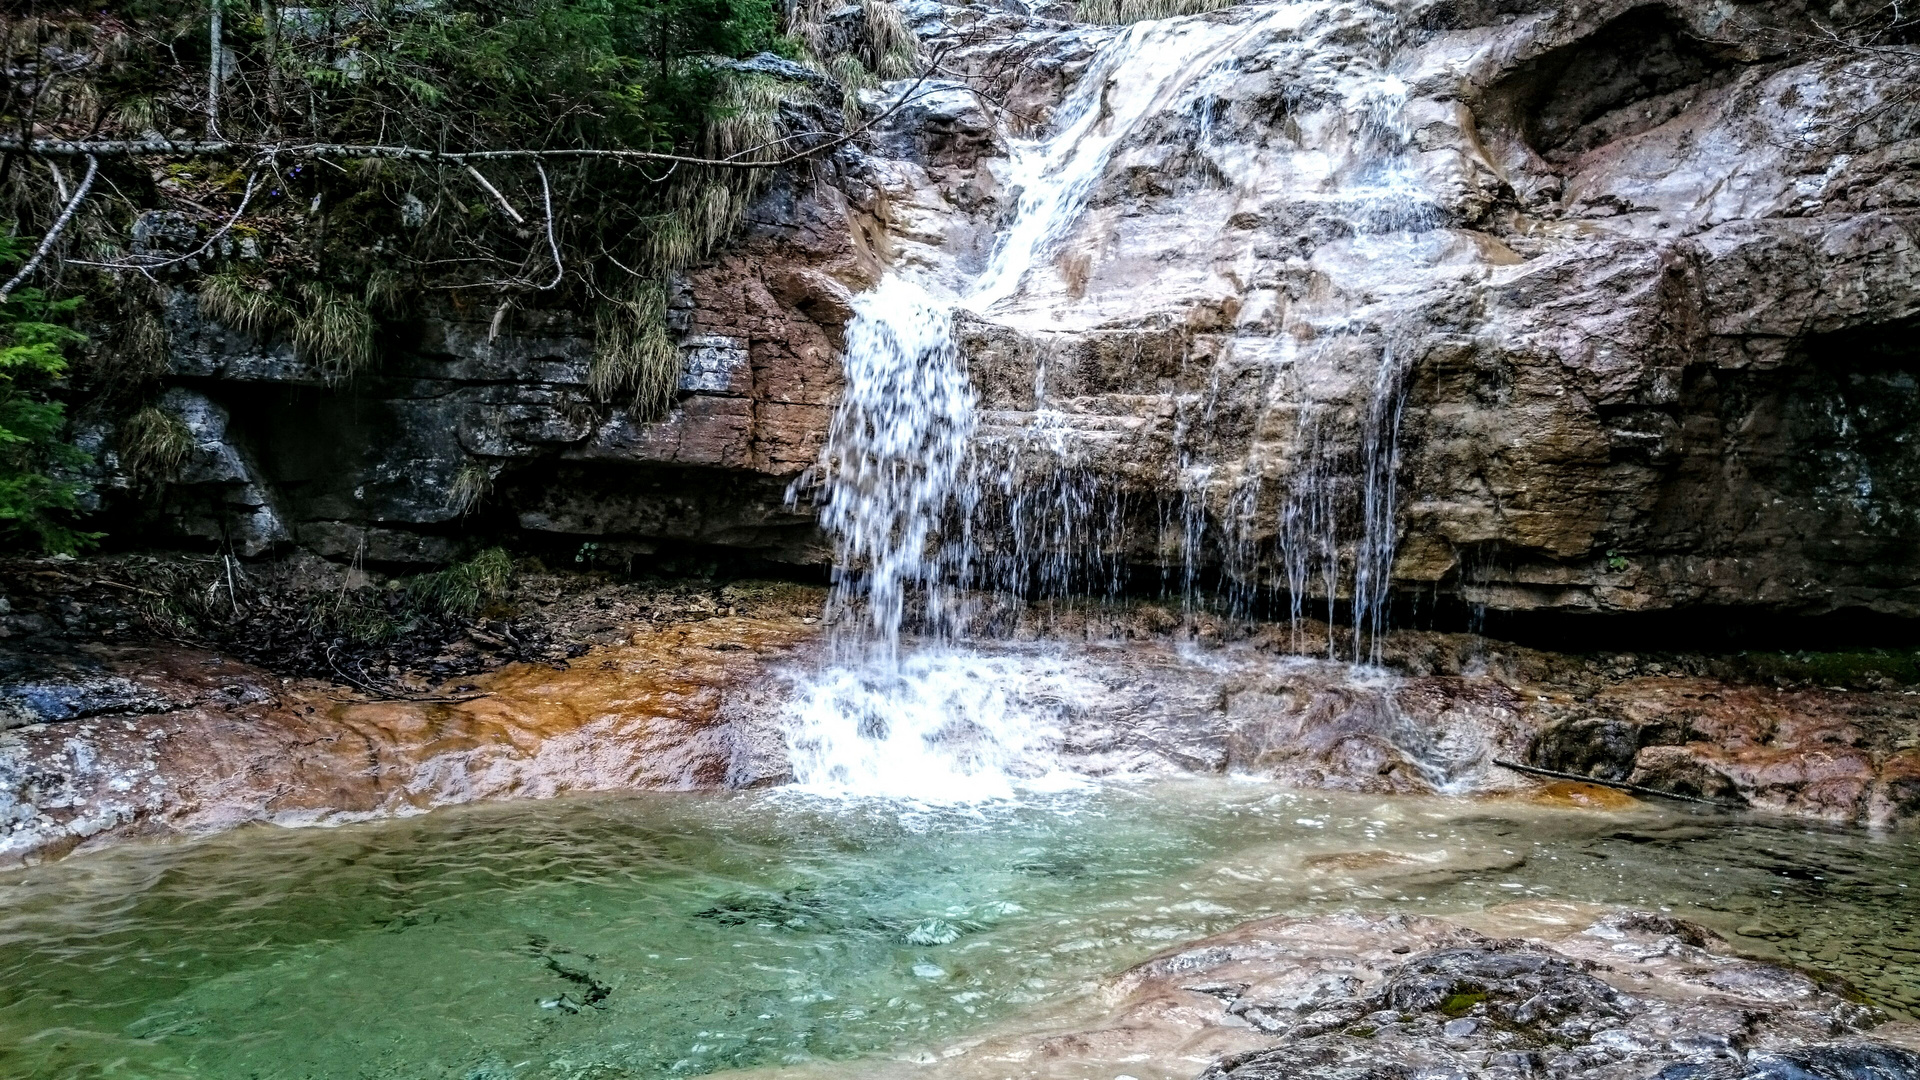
678,706
579,682
1633,995
1540,990
185,740
1643,278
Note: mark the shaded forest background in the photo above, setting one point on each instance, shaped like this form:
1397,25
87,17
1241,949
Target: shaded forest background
317,171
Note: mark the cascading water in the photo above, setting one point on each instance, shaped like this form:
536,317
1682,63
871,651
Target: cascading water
1142,72
896,465
923,506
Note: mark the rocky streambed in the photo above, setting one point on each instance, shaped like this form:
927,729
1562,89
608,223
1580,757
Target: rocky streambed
640,884
1256,931
694,688
1515,991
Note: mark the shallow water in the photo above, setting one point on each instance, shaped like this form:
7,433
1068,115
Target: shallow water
671,935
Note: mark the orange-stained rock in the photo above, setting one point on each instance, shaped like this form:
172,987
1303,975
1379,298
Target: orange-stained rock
672,710
1575,795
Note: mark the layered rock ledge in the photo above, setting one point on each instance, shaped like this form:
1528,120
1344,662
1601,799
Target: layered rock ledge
131,742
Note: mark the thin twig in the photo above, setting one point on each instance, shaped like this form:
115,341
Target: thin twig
53,234
245,198
1618,785
448,699
497,197
60,181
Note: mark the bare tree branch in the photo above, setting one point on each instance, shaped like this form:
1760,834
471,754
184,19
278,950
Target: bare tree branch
213,69
220,147
53,234
748,158
499,198
546,197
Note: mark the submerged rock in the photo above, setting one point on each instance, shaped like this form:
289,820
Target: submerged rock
1633,994
1554,991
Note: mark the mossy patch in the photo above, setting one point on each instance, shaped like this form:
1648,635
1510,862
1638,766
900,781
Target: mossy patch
1862,668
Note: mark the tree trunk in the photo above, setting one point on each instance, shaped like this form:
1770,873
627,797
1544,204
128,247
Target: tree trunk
213,70
270,11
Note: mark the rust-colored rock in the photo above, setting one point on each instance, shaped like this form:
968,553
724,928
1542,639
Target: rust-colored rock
675,710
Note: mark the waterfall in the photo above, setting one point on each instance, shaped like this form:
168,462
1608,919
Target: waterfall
923,507
895,463
897,495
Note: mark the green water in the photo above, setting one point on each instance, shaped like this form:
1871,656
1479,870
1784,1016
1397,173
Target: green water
670,935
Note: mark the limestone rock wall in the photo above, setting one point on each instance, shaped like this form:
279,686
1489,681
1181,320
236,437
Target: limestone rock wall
477,424
1641,282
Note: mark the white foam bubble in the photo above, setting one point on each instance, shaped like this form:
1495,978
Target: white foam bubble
943,726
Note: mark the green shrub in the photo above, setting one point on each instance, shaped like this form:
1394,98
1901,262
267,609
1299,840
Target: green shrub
39,488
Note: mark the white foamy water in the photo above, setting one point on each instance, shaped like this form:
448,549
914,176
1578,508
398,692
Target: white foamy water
938,726
894,460
897,496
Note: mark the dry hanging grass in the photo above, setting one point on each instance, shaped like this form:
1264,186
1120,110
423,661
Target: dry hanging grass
891,50
634,354
153,444
335,333
253,309
1124,12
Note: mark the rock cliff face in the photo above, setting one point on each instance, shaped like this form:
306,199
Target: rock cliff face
479,422
1606,307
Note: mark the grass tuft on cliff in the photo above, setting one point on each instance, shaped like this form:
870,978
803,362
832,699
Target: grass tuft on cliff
153,444
1124,12
634,354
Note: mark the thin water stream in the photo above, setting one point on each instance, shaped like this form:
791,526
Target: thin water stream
671,935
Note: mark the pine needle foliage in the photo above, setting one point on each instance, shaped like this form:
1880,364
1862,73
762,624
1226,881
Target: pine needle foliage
39,485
